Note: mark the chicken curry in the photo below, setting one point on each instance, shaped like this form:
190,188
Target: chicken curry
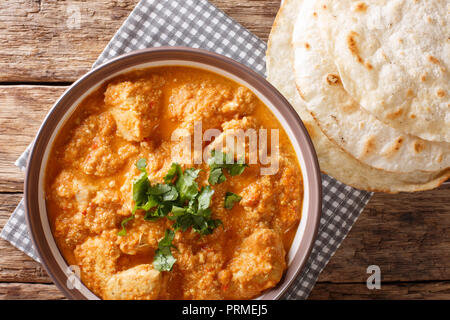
139,223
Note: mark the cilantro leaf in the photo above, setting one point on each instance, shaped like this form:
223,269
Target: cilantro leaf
163,259
165,191
205,226
197,214
171,195
183,222
236,169
230,199
216,176
220,161
161,211
151,202
204,199
172,173
178,211
159,189
124,222
216,159
141,164
186,185
140,188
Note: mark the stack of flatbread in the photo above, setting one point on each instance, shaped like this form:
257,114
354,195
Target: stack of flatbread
370,80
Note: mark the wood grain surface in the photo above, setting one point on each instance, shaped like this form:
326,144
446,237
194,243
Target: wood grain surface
41,53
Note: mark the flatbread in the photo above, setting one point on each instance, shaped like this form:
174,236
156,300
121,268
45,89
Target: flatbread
333,160
393,57
342,119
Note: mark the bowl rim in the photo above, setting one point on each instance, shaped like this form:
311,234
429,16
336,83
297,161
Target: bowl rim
138,57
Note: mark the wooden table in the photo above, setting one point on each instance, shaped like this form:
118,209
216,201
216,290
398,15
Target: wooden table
406,235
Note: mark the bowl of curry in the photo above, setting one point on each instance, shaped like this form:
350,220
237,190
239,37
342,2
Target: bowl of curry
173,173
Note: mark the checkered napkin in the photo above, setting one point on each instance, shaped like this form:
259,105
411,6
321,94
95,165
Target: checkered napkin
199,24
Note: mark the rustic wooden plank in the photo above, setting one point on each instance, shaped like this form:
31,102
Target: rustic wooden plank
255,15
22,111
406,235
322,291
405,291
16,266
29,291
41,40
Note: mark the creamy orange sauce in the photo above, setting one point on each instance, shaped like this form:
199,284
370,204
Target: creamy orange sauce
89,190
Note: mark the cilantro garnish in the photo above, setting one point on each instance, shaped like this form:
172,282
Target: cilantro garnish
216,176
163,259
172,173
140,187
140,197
219,162
196,214
124,222
178,199
230,199
186,184
165,191
181,200
204,199
155,200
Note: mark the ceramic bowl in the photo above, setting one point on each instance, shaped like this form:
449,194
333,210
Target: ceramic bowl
38,222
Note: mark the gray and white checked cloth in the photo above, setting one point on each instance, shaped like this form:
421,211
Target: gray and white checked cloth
199,24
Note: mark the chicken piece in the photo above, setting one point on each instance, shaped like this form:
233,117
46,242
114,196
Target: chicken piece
104,160
68,187
87,135
239,137
83,208
103,211
259,199
244,102
135,106
212,103
290,195
198,101
97,258
257,265
275,198
70,229
71,197
142,236
93,148
199,259
82,137
138,283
